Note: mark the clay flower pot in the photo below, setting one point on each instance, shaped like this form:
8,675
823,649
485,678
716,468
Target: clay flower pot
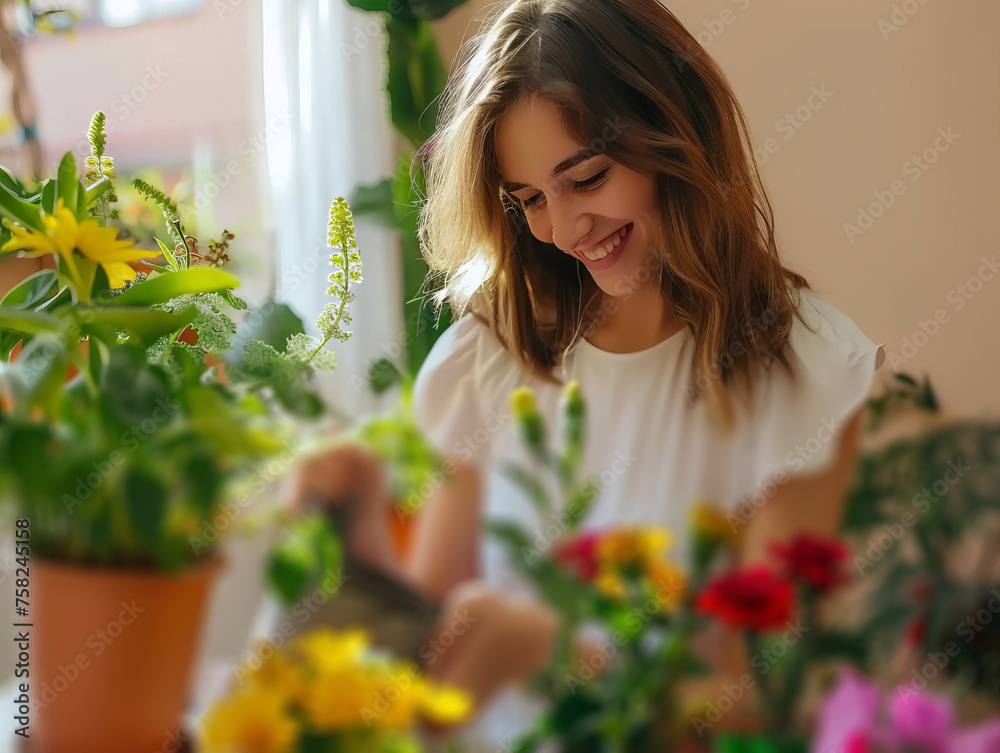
112,654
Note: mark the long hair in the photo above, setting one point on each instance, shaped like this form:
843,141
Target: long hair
626,77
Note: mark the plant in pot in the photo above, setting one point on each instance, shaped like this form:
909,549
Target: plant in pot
121,437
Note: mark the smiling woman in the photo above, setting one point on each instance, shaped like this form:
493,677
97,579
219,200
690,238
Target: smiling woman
641,263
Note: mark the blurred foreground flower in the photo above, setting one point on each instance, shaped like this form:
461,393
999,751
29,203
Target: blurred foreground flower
329,691
857,718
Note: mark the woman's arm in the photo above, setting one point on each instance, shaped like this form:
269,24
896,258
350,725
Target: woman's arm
812,503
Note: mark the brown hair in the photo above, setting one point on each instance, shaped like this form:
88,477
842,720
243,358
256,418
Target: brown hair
601,62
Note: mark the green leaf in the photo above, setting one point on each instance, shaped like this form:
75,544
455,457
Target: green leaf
18,209
530,485
416,76
95,190
234,300
31,322
375,202
133,388
273,324
432,10
383,375
67,186
223,427
383,6
168,254
31,291
204,483
307,555
162,288
48,198
146,500
144,325
41,366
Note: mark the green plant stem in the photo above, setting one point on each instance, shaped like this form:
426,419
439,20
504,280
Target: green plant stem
340,311
798,661
766,696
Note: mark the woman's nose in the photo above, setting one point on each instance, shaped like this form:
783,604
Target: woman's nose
567,225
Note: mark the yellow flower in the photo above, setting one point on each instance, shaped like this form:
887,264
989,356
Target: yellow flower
251,721
444,704
397,700
668,582
63,235
330,651
522,402
709,520
341,700
611,585
633,546
278,674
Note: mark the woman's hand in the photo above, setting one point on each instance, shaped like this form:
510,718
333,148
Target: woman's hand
332,475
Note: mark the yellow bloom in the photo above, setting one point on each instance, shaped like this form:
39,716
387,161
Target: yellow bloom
341,700
522,402
251,721
709,520
669,582
444,704
633,546
278,674
397,701
611,585
330,651
63,235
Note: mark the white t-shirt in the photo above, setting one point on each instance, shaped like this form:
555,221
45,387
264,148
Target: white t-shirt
654,449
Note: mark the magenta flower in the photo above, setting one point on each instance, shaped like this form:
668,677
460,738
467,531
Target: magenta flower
855,718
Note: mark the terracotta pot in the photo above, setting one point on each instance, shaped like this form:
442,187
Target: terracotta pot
112,653
402,525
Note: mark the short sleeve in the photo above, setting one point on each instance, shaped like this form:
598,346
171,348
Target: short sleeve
458,388
799,420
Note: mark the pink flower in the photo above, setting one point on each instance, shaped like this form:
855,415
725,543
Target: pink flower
850,722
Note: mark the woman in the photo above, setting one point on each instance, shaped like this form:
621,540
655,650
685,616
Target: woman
595,212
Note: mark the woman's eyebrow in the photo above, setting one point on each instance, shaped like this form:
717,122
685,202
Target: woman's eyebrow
567,164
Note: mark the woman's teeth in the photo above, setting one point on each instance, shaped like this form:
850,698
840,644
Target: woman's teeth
608,247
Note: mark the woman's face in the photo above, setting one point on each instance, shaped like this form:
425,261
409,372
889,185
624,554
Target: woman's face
581,203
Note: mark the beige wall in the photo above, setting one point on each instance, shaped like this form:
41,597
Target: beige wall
888,92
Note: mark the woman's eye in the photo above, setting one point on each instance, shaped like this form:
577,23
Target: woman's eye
580,185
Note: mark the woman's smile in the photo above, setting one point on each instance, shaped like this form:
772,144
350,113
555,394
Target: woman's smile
607,254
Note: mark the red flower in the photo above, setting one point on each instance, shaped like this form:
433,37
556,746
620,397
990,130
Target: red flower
814,560
915,631
752,598
579,554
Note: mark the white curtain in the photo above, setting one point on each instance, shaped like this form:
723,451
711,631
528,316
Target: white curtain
327,114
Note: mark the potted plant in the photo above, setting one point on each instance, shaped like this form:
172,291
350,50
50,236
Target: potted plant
122,434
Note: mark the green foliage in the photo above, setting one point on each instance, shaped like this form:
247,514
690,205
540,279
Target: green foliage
307,556
100,167
906,392
414,82
397,441
170,212
914,502
118,437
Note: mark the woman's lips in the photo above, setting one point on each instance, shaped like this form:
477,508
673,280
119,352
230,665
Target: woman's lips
611,258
